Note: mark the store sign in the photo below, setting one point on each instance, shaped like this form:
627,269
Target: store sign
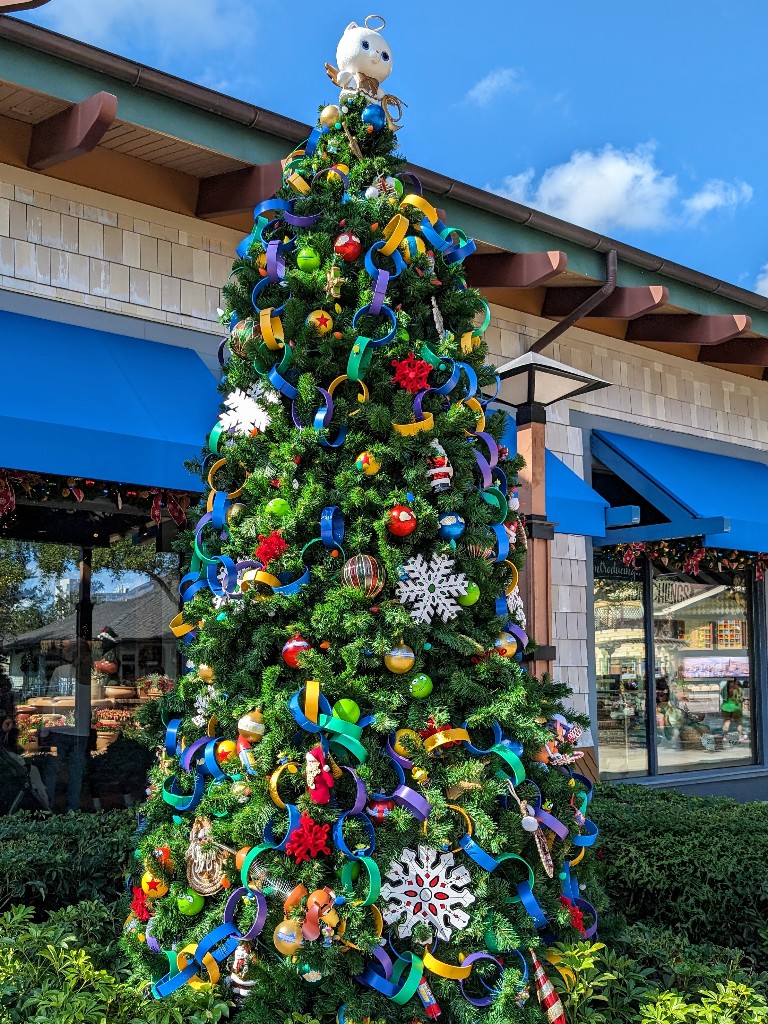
615,569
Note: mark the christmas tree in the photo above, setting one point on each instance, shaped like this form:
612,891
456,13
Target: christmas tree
364,807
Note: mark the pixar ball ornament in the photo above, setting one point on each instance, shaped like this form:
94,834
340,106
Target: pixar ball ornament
153,886
348,246
374,116
293,648
402,521
451,526
471,597
367,464
225,750
330,116
505,645
307,258
421,686
411,246
287,937
190,903
400,659
321,321
347,710
251,726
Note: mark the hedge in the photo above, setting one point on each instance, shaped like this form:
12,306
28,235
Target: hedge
60,860
698,865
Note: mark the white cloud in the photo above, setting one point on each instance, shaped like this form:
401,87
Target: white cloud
716,195
761,284
494,84
614,189
183,29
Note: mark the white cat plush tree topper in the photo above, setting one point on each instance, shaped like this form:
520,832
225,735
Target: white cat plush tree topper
365,61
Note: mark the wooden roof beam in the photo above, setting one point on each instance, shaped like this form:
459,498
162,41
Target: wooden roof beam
7,6
513,269
621,304
687,328
738,352
238,191
71,133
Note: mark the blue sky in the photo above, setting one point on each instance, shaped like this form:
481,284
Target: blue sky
641,120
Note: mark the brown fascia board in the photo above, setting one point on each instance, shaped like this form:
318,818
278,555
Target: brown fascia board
141,76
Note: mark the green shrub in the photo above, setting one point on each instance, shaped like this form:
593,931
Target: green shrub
46,976
57,861
693,864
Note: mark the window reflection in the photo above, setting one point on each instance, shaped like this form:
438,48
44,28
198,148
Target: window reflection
703,672
620,649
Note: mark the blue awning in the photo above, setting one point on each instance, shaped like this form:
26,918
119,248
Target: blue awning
80,402
571,503
721,498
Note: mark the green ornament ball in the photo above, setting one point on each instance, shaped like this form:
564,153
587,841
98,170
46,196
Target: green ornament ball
308,258
278,507
421,686
347,710
471,597
190,903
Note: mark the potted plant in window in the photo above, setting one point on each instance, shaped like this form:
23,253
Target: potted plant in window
154,685
29,729
109,723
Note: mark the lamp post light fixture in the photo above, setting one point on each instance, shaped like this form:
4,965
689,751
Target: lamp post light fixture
531,383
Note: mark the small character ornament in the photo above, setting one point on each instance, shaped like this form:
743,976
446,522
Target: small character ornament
439,469
320,779
241,980
205,860
364,59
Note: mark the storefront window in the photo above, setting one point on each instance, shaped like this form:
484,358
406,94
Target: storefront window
695,646
703,672
76,671
620,654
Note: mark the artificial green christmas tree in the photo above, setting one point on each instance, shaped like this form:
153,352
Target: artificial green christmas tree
364,807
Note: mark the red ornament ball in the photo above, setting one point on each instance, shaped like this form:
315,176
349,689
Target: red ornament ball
348,246
364,572
293,648
402,521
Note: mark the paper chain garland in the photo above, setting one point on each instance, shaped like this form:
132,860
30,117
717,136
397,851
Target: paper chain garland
400,976
400,979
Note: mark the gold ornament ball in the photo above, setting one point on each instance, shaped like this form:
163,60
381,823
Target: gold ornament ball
505,645
321,320
413,740
287,937
251,726
400,659
330,115
206,673
153,886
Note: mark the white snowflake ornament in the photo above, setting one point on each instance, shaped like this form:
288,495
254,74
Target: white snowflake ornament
426,892
430,587
242,412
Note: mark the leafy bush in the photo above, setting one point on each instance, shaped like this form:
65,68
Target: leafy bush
602,986
58,861
693,864
46,976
